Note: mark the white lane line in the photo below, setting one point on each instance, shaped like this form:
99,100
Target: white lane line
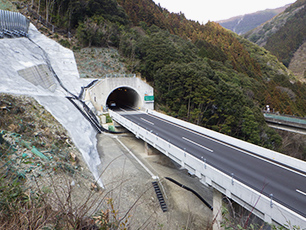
195,143
123,110
299,191
139,162
147,121
230,146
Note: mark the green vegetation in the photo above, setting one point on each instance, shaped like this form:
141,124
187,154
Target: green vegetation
289,37
38,188
68,14
201,73
108,119
284,34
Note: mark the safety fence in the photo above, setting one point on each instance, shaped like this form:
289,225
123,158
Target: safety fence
41,20
13,24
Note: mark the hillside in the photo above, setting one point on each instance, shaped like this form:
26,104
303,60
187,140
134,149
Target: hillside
284,36
38,161
201,73
7,5
244,23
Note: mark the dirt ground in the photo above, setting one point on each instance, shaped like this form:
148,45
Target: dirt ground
69,185
131,186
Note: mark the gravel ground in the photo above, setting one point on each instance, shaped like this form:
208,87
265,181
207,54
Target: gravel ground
130,184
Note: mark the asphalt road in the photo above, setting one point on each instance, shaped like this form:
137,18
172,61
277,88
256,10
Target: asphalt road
287,186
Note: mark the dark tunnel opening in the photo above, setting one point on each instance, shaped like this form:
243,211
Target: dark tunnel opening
123,97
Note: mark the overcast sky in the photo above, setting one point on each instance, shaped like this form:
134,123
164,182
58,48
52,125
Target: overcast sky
214,10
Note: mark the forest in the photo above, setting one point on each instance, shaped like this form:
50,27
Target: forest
291,36
204,74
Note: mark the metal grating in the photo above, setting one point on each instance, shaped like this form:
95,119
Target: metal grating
39,75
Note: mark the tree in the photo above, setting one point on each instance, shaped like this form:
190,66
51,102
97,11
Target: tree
250,126
87,31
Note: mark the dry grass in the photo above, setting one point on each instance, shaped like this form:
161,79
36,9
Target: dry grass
56,207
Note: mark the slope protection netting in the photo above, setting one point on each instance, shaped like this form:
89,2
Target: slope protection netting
98,62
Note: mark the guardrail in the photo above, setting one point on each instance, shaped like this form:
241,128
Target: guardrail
262,206
290,121
263,152
289,118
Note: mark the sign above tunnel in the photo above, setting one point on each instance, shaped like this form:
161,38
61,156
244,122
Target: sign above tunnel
148,98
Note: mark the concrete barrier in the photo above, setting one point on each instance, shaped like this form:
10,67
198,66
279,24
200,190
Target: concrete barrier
262,206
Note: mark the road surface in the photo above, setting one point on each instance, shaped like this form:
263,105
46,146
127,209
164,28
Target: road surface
287,185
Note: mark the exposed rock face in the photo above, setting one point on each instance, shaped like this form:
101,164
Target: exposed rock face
298,63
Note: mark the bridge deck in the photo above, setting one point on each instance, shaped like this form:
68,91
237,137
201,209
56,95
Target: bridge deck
266,176
286,120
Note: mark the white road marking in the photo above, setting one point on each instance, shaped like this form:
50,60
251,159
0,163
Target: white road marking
195,143
147,121
230,146
139,162
299,191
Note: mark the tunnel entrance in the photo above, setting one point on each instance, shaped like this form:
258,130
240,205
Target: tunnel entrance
123,97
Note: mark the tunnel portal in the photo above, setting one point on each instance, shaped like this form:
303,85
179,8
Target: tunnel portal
120,92
123,97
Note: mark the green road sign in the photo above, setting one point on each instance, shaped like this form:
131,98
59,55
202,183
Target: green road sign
149,98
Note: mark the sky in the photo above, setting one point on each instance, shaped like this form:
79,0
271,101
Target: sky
214,10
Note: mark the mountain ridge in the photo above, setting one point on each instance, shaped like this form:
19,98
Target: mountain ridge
204,74
284,36
244,23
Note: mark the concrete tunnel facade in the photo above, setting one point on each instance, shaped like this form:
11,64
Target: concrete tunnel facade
120,91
